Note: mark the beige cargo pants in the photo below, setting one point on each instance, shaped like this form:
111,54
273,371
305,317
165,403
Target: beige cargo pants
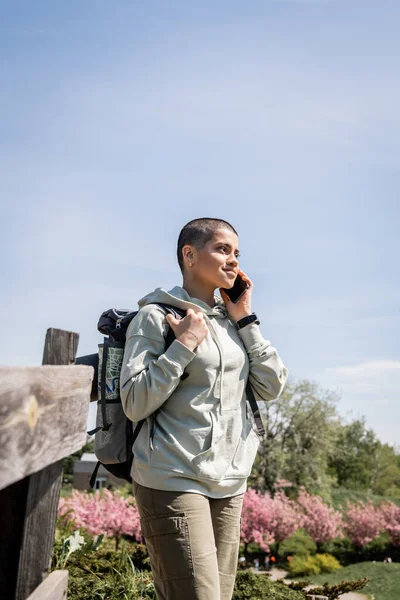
193,543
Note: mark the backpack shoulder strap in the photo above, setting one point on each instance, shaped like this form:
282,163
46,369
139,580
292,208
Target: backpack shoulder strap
178,313
255,409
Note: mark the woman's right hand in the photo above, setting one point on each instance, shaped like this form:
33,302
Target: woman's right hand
189,331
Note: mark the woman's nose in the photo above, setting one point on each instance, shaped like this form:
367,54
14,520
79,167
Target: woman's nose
233,260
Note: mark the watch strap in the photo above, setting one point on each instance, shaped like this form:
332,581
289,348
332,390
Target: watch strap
247,320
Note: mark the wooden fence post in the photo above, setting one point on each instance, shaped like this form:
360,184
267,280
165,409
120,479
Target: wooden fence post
29,507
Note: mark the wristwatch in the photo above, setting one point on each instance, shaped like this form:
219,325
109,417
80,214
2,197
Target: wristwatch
247,320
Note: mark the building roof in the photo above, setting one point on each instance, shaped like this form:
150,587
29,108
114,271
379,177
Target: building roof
88,457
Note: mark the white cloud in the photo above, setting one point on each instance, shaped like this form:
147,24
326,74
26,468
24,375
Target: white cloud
376,380
369,370
369,389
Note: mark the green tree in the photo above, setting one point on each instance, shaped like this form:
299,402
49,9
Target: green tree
355,456
386,473
301,430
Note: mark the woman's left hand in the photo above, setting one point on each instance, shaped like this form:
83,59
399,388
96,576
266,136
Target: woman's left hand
243,307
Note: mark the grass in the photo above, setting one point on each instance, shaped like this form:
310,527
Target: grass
384,579
340,495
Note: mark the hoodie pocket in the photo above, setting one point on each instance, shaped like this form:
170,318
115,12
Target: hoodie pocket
211,463
245,454
232,451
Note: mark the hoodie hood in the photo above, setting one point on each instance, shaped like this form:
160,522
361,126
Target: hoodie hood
180,298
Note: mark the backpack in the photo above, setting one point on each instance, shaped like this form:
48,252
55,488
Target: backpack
114,432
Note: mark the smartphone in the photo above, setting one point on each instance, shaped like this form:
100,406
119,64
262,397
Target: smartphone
236,292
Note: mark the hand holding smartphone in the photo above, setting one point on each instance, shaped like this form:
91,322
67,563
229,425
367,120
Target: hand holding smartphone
237,290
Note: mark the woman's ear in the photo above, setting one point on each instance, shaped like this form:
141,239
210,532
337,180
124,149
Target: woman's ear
188,254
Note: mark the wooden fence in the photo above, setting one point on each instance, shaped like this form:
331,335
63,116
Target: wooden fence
43,415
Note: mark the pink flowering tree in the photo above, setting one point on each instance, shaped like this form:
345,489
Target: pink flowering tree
322,522
255,521
266,520
284,517
102,513
390,514
363,522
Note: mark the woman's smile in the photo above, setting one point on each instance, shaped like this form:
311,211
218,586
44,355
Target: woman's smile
231,273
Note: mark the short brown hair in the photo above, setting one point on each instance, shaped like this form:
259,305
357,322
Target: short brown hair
198,232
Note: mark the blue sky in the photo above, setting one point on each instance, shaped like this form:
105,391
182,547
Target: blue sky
122,121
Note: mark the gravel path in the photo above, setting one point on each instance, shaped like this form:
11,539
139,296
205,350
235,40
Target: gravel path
277,574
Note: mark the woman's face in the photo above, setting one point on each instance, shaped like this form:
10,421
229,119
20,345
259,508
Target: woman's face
217,263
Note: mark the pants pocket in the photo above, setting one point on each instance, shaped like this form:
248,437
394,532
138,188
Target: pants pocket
168,543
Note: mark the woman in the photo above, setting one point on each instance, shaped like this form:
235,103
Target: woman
196,449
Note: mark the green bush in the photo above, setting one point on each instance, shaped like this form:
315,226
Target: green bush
299,544
115,586
303,565
377,550
108,575
342,549
331,592
327,563
251,586
250,549
102,573
98,572
313,565
140,557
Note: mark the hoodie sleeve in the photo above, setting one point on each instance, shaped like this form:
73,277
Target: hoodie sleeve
268,374
149,374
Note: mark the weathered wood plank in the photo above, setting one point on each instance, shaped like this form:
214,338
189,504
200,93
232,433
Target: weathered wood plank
39,528
54,587
43,414
44,486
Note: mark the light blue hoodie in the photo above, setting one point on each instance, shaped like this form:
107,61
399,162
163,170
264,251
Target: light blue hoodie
197,436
